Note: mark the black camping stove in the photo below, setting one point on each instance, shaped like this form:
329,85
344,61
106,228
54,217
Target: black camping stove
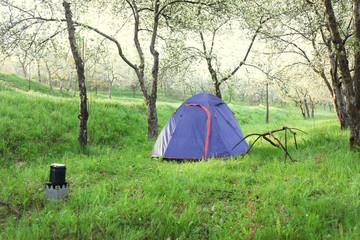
57,188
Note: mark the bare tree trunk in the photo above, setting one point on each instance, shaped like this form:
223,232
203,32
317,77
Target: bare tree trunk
307,108
29,79
110,87
69,84
50,79
217,88
23,66
312,105
267,102
300,104
340,108
151,107
38,70
335,88
61,83
152,119
351,84
83,113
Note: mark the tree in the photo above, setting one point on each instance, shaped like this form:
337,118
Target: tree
19,39
151,22
350,82
296,29
147,19
83,113
109,70
25,57
49,77
56,63
207,53
207,26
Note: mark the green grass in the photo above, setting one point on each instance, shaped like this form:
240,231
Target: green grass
119,192
12,82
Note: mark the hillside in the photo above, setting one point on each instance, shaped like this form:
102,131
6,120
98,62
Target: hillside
119,192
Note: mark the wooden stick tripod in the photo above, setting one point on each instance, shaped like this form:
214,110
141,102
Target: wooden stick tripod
271,134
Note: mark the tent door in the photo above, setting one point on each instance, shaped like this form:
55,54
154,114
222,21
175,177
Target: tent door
208,125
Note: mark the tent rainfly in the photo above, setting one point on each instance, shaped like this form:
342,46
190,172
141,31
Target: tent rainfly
201,128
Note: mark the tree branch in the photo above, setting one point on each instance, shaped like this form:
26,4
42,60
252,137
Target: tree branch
247,52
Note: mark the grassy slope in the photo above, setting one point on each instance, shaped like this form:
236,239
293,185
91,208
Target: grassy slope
118,191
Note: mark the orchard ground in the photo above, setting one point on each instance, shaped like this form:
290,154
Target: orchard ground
119,192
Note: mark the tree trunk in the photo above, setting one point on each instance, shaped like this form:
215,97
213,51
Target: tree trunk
335,88
29,81
306,108
351,84
312,105
38,70
267,102
340,108
110,87
217,88
29,76
61,84
69,84
152,119
23,66
83,113
211,69
300,104
50,79
152,115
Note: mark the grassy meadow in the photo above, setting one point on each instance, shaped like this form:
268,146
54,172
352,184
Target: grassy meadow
119,192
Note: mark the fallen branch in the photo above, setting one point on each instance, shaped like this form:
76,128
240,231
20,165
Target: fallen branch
271,134
12,208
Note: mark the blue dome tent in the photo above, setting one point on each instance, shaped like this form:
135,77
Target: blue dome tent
201,128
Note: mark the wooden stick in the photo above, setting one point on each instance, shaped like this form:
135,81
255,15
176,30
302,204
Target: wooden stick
271,133
244,139
251,146
12,208
294,134
285,143
269,140
283,147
